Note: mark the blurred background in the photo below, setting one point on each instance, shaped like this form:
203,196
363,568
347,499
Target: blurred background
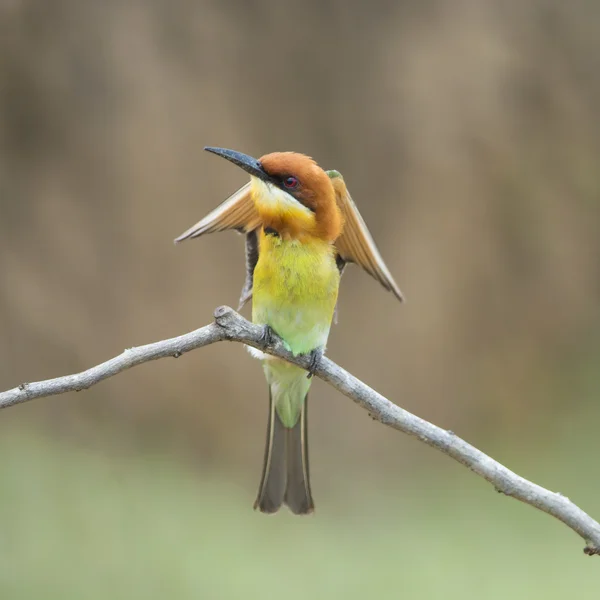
468,134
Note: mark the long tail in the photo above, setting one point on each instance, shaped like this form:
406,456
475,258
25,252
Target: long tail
285,477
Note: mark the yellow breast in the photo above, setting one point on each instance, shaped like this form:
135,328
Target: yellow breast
295,290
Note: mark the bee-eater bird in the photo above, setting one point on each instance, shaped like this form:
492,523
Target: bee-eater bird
301,227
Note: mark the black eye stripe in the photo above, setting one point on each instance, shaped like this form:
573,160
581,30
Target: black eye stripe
278,181
294,194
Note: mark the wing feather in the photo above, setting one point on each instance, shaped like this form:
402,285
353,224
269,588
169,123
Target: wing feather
356,243
237,212
251,260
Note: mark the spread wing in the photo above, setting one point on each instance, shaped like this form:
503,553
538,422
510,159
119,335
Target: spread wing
237,212
356,243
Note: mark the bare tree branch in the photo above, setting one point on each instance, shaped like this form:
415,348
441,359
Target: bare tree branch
231,326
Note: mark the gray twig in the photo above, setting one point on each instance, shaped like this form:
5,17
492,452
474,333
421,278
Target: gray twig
229,325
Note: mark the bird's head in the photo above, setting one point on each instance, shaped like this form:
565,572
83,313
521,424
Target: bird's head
292,194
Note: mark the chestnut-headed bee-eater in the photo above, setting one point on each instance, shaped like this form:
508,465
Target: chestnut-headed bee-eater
301,227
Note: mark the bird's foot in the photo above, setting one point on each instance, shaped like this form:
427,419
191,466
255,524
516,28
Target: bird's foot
268,335
315,359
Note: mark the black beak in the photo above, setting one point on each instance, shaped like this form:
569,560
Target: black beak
249,164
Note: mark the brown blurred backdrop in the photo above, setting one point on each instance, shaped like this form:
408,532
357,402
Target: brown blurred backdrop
468,134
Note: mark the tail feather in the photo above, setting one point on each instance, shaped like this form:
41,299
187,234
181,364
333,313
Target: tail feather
297,491
272,484
285,476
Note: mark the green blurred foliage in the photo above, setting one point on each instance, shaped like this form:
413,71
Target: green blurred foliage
88,525
467,132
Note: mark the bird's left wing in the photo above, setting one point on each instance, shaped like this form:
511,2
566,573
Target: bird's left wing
356,243
237,212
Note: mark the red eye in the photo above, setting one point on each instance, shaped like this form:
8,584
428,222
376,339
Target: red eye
290,182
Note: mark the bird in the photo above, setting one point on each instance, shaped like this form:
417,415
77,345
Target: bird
302,228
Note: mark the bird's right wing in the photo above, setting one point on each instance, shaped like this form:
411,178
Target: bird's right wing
237,212
251,260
